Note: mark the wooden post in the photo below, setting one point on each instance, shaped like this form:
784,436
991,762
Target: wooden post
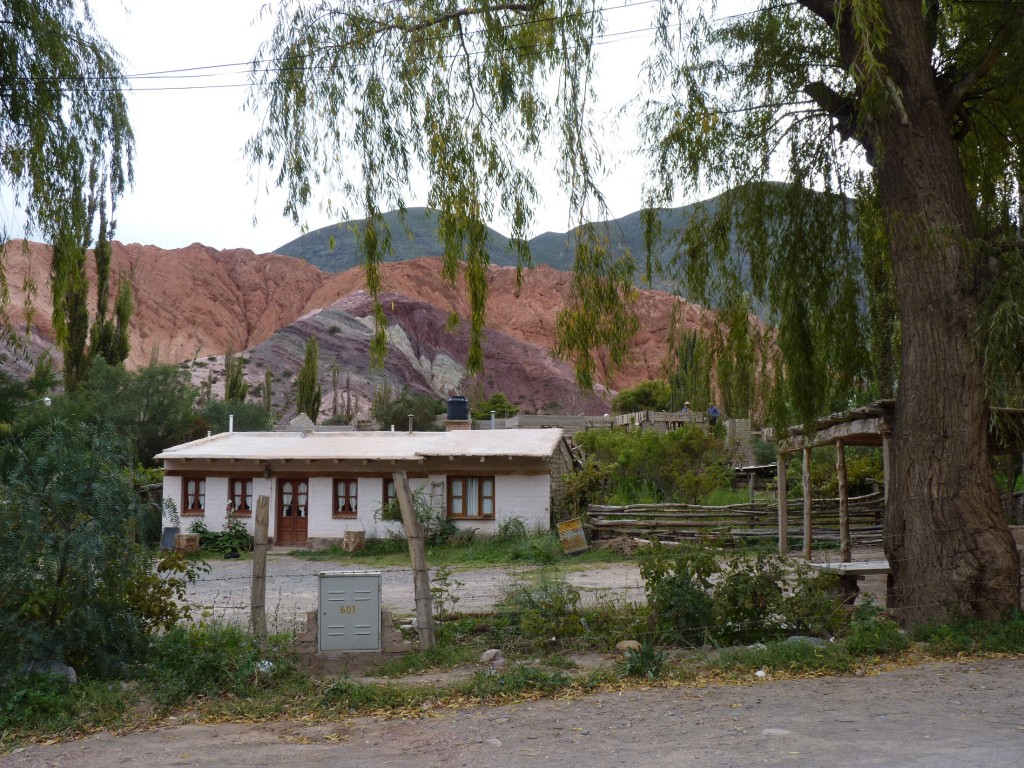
886,476
418,554
750,486
258,600
806,478
783,505
844,504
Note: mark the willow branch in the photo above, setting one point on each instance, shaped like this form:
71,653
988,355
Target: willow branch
995,49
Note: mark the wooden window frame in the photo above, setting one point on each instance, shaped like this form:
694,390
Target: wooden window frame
200,493
236,510
481,496
386,498
347,488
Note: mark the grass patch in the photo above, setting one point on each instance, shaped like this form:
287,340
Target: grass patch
973,636
784,657
482,551
438,657
32,705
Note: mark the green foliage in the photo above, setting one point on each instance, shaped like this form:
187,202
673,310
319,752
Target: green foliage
207,661
512,529
645,396
697,596
234,536
444,592
648,662
678,587
307,386
970,636
871,634
37,703
585,486
541,611
685,464
389,408
236,389
517,680
498,403
79,584
67,152
213,415
689,364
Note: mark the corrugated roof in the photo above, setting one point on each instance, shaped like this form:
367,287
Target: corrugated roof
398,446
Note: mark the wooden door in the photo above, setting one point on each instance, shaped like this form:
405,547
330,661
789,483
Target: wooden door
292,511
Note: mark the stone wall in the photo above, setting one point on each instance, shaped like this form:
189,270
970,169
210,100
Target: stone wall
346,662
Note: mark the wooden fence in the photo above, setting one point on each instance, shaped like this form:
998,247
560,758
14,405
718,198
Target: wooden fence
678,522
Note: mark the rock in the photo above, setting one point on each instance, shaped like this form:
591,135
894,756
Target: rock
54,668
491,655
775,732
625,646
494,742
806,639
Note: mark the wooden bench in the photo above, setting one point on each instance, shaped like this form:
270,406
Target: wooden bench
851,573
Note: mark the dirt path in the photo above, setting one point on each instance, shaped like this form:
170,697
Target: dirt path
934,716
292,585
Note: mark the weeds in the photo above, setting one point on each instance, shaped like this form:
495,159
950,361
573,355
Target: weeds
646,662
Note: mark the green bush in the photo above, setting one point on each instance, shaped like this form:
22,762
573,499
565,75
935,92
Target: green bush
80,586
208,660
685,464
971,635
647,662
748,599
678,586
541,612
233,537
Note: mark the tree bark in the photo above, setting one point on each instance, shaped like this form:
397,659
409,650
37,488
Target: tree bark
945,536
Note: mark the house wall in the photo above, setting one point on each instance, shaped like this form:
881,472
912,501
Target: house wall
524,496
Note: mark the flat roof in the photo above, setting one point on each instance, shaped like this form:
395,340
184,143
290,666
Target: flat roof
396,446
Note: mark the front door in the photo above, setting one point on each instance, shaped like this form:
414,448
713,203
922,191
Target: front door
292,511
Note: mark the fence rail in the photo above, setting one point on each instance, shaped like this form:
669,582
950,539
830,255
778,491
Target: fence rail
676,522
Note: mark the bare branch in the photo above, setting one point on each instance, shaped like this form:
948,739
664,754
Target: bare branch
460,13
996,48
823,9
841,108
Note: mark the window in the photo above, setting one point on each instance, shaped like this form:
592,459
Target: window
345,498
390,494
240,496
194,501
471,497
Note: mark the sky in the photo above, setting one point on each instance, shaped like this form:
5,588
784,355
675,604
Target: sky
192,180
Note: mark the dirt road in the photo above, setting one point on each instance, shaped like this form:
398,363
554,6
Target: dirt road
292,585
934,716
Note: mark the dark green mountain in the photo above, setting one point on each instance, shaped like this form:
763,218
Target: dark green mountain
334,249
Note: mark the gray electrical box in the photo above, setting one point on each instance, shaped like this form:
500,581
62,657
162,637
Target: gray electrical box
349,611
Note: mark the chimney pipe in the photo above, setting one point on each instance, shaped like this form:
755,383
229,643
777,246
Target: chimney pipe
494,421
231,422
410,423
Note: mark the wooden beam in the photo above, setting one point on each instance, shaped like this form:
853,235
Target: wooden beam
844,504
806,479
783,506
886,467
867,431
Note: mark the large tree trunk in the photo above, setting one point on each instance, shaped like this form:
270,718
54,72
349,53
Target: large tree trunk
945,535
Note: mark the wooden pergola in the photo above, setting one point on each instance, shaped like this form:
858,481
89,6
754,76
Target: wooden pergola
870,425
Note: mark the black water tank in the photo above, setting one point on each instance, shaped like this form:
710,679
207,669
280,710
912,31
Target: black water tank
458,408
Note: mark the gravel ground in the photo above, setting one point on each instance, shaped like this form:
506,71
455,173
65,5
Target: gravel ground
292,586
946,715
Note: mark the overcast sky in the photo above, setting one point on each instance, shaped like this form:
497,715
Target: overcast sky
193,183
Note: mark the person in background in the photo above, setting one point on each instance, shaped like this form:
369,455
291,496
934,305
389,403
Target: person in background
686,407
713,415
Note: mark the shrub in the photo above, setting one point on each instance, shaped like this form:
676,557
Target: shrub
678,586
647,662
541,612
208,660
873,635
79,585
749,598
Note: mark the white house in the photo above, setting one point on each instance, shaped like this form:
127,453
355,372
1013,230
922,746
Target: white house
324,484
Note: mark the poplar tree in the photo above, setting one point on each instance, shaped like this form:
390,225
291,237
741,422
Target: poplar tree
914,108
307,385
